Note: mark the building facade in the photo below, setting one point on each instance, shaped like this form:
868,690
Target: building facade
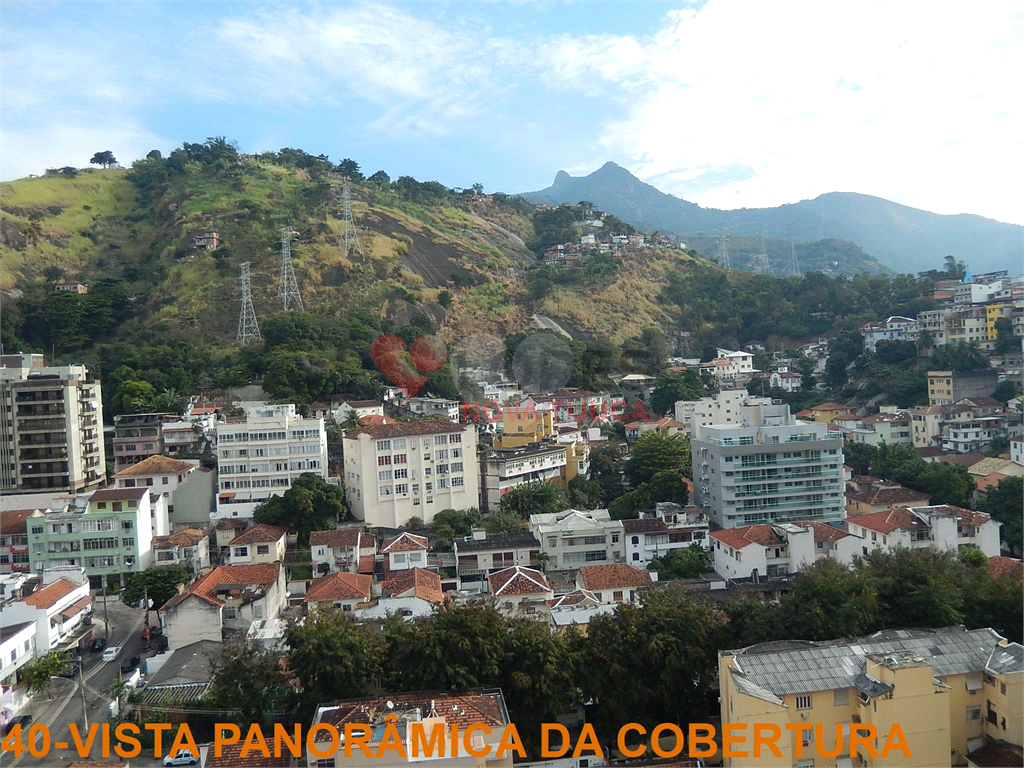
769,468
574,538
263,455
51,427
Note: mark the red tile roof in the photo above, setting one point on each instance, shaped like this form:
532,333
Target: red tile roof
738,538
13,521
963,459
647,525
259,534
889,496
374,419
405,542
76,607
464,708
263,575
1003,567
518,581
824,531
931,410
336,539
888,521
156,465
366,563
339,586
988,480
830,406
231,757
613,576
406,428
186,538
363,404
417,581
579,597
227,524
51,593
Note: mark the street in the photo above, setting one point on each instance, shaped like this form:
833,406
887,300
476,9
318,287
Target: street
66,708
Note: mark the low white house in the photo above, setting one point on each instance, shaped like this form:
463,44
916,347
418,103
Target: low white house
406,550
227,599
260,544
767,551
943,527
519,591
787,381
60,609
615,582
668,527
362,409
411,594
340,590
190,546
344,549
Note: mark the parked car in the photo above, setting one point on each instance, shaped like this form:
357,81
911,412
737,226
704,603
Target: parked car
129,664
98,644
111,653
181,757
71,670
23,720
151,632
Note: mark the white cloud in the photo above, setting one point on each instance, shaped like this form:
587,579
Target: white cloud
915,102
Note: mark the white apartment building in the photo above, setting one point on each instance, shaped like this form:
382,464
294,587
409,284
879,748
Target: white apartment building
964,434
1017,449
504,469
723,408
51,426
58,609
770,551
259,544
668,527
394,472
263,455
573,538
939,527
893,328
787,381
17,648
927,424
769,468
435,406
889,427
189,491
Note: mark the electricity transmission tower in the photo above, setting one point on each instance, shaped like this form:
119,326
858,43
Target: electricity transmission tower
288,289
723,247
794,262
349,242
760,263
248,328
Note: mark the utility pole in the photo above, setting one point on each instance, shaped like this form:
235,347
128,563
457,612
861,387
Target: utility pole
723,248
81,689
106,617
794,263
349,241
145,593
248,328
288,289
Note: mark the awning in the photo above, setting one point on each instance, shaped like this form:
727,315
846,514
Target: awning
76,607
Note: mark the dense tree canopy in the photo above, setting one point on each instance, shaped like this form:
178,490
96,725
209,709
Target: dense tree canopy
159,582
655,452
311,504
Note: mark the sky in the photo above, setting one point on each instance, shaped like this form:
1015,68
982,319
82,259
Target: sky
726,103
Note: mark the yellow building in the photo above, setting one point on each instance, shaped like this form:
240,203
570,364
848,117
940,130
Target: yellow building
992,313
946,691
530,422
827,412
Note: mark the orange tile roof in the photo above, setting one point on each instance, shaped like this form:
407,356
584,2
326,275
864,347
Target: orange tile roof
339,586
366,563
374,419
901,496
259,534
463,708
231,757
345,537
738,538
1001,567
988,480
889,520
51,593
264,575
118,494
613,576
518,580
188,537
830,406
405,542
76,607
156,465
579,597
420,581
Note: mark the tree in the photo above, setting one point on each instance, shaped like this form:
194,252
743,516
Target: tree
688,563
538,497
858,456
311,504
945,483
444,298
332,657
654,452
670,387
1005,340
916,588
504,521
451,524
380,178
962,356
585,493
249,683
159,582
1005,391
828,601
105,158
36,674
1005,503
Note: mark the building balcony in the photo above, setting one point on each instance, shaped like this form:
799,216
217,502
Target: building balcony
58,438
40,425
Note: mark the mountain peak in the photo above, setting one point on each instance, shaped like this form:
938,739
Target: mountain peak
562,177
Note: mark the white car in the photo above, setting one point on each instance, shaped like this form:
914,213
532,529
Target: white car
183,757
110,654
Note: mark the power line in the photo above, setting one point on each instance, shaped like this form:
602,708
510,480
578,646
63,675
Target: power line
723,247
248,328
759,263
349,241
794,262
288,289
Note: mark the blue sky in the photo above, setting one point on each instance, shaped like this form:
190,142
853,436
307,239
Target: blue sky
728,103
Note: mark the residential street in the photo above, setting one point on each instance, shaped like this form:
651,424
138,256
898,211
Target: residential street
66,708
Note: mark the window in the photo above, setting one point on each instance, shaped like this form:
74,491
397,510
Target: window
229,612
401,474
457,482
973,714
384,474
128,542
401,458
241,551
383,461
383,445
401,488
257,611
803,702
617,596
262,549
840,697
37,529
384,490
1002,688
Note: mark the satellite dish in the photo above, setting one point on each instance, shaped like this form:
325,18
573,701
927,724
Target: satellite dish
391,705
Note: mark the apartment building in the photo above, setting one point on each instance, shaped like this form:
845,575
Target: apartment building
658,531
927,425
435,406
948,387
345,549
60,610
889,427
573,538
723,408
769,468
942,526
189,490
950,690
263,454
17,648
14,556
479,555
893,328
755,552
190,547
504,469
394,472
966,433
51,427
109,533
137,436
